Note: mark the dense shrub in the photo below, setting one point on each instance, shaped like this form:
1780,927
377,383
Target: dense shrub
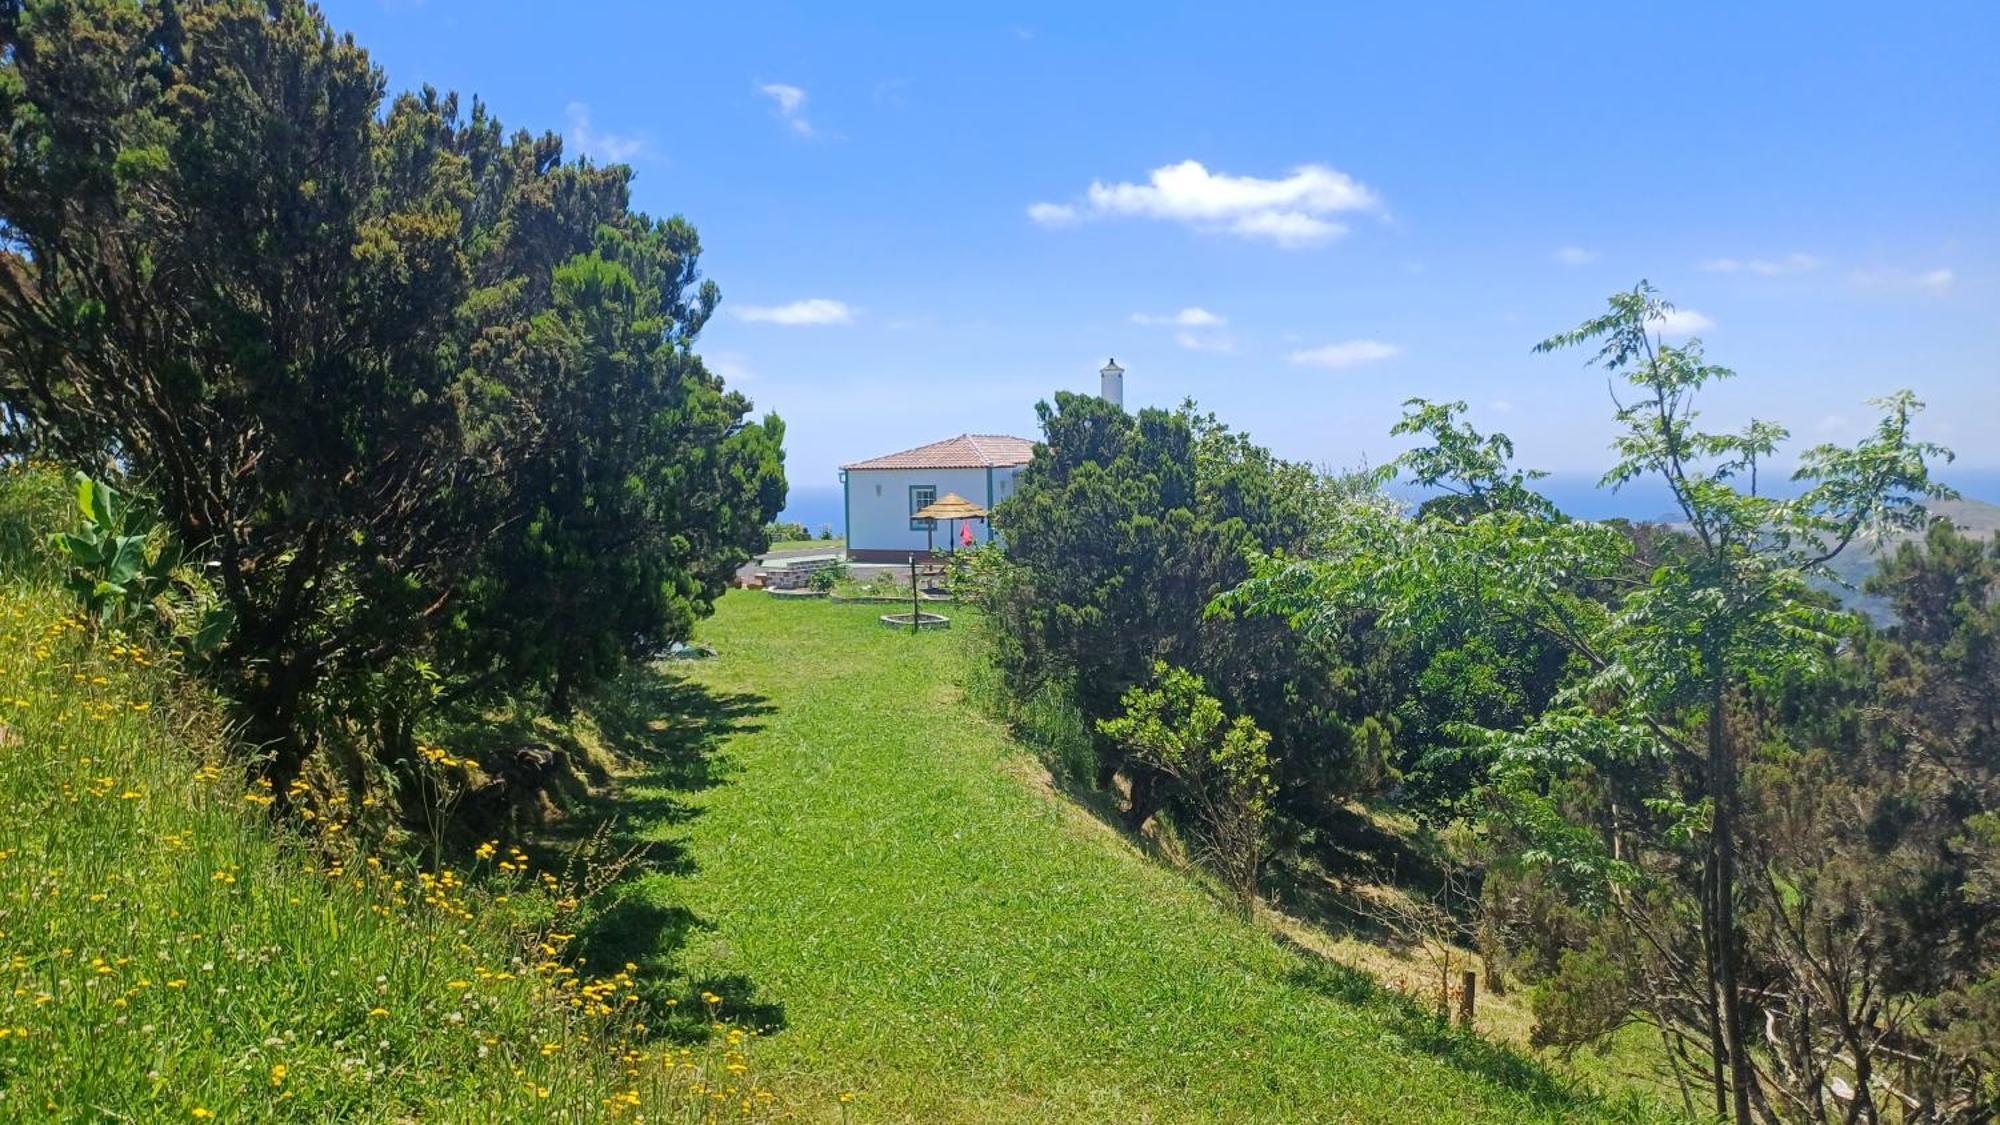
1123,530
422,394
1220,767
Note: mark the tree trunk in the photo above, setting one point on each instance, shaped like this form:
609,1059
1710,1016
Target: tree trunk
1722,790
562,694
1145,787
273,698
1718,1050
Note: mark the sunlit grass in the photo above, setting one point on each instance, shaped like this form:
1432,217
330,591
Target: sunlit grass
167,952
957,942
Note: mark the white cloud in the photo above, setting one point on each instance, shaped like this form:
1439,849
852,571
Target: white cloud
814,310
1192,317
734,367
1053,214
1574,256
1291,212
791,103
1764,267
1936,282
1198,328
1500,406
1289,229
1349,353
1679,322
587,140
1204,342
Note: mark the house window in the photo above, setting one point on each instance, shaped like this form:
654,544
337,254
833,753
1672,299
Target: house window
921,496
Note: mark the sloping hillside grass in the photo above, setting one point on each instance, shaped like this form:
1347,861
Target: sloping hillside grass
874,871
167,953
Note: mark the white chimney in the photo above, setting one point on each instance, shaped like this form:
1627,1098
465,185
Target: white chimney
1113,389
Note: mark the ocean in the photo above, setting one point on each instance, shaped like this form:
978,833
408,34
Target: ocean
1575,493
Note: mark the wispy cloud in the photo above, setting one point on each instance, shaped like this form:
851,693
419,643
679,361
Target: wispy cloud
791,105
1204,341
1053,214
812,311
734,367
1192,317
1294,211
586,139
1349,353
1574,256
1764,267
1936,282
1199,328
1679,322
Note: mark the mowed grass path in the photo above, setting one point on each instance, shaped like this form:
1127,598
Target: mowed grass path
954,943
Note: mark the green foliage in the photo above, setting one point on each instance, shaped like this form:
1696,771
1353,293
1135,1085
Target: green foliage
117,562
1624,787
34,499
125,567
650,489
1121,531
827,577
1220,766
1050,721
418,393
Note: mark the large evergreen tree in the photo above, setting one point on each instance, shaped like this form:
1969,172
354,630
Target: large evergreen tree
398,375
1123,530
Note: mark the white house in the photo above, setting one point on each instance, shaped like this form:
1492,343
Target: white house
881,493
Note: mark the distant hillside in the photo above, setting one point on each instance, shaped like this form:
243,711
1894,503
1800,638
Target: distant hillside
1855,566
1976,518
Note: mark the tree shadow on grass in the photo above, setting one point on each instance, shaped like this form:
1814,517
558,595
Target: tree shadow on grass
666,735
1334,876
639,930
1424,1031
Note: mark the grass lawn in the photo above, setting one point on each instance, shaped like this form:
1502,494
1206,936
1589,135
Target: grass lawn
167,954
806,545
873,868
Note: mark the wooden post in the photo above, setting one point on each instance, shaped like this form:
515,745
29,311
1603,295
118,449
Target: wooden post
913,595
1468,990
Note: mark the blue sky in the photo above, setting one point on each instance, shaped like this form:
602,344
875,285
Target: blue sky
925,217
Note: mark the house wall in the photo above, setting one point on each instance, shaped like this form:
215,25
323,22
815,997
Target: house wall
878,507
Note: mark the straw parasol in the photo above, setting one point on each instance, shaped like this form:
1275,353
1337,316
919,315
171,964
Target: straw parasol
951,507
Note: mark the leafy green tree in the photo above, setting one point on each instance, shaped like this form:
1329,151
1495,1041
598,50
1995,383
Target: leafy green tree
1628,788
1122,530
1220,767
647,488
371,363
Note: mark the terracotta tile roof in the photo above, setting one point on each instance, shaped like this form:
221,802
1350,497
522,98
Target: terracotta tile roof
966,451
